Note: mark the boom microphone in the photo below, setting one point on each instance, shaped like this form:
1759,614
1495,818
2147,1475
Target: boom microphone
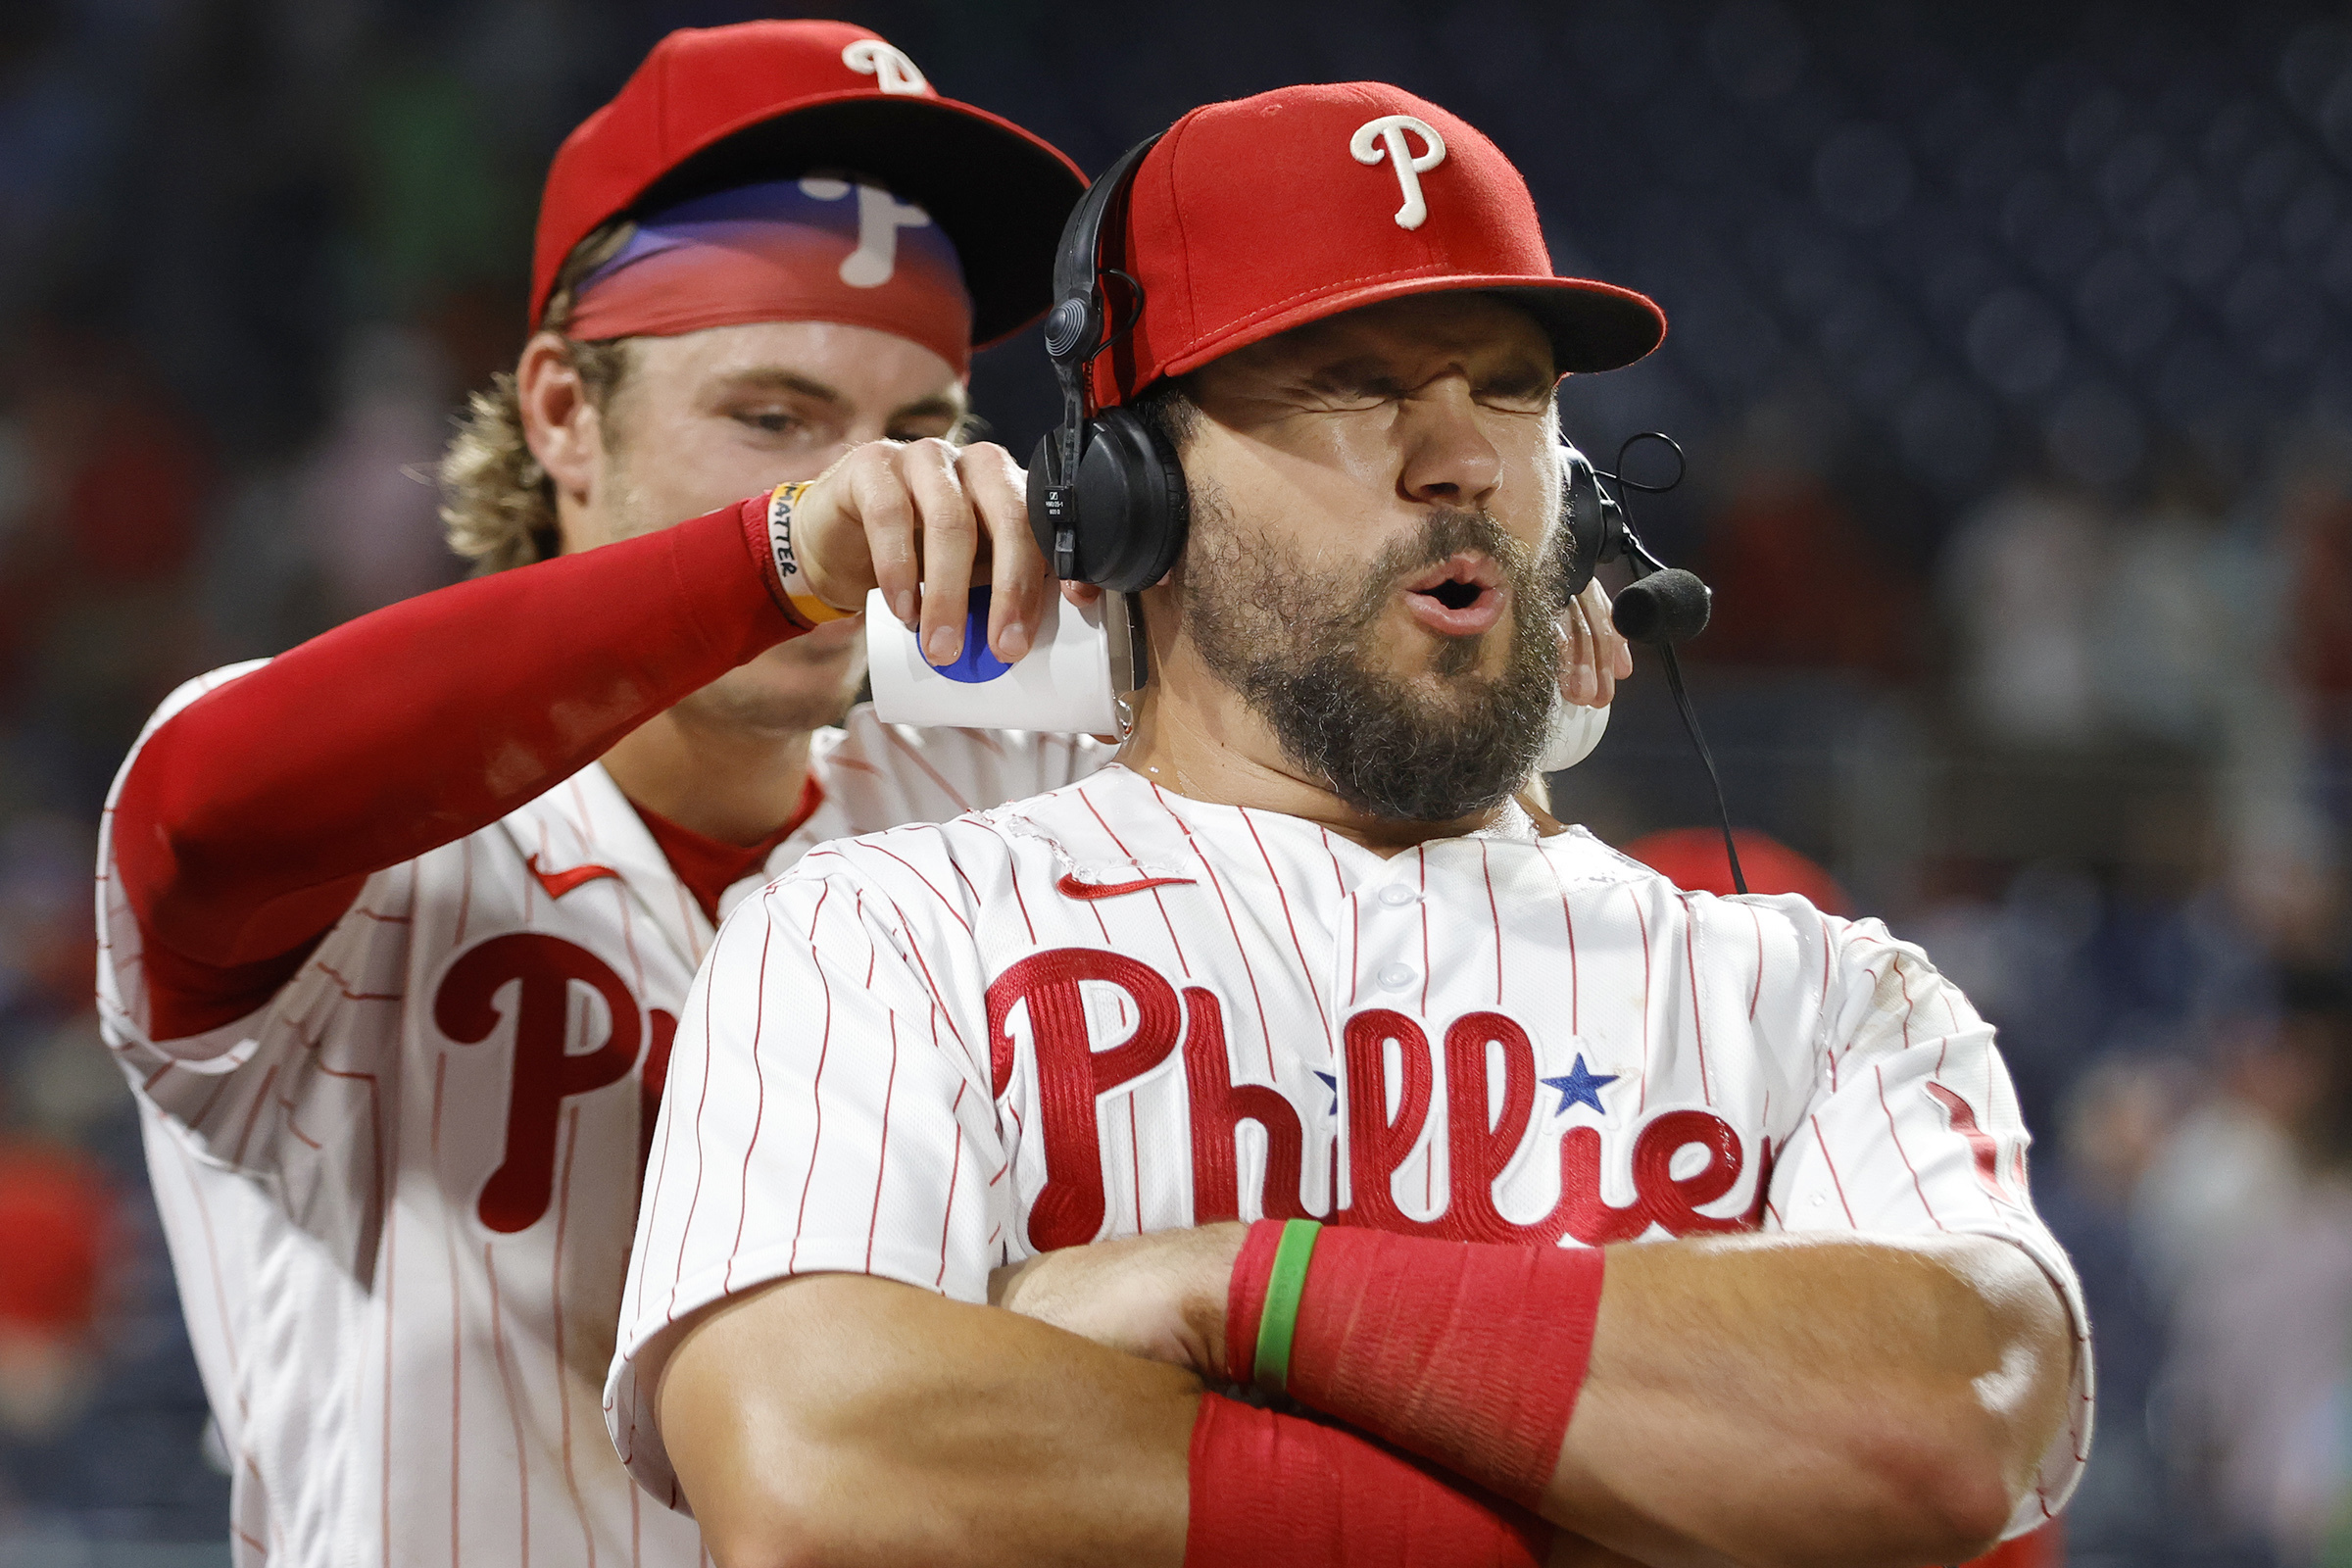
1664,607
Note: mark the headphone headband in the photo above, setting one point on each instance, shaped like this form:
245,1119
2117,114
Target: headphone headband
1126,532
1074,327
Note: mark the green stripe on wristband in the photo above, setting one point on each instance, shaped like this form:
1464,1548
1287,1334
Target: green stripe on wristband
1278,1320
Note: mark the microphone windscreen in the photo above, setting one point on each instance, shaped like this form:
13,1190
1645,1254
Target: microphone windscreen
1665,607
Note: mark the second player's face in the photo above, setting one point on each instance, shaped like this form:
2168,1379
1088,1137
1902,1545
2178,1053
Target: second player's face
713,417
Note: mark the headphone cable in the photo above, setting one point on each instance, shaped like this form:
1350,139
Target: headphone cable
1645,565
1723,812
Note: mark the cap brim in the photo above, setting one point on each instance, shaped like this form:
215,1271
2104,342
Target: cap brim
998,193
1593,326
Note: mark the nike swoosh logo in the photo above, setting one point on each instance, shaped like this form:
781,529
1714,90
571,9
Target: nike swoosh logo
1070,887
559,883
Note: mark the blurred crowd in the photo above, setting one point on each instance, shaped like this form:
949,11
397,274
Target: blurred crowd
2010,358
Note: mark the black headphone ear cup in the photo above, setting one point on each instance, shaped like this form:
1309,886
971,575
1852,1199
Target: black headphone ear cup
1133,506
1595,532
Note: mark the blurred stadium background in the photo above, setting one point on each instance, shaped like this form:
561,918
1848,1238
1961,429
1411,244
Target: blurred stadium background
2010,350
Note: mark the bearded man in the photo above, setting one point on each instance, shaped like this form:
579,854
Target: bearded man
1653,1226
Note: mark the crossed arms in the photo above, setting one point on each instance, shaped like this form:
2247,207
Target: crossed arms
1750,1399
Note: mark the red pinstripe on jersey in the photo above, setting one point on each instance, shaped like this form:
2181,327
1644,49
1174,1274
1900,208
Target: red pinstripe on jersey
506,1380
890,1089
900,746
555,1292
1225,905
947,1214
1699,1027
1421,868
1022,904
929,887
1756,993
1568,932
1895,1135
1831,1165
1284,898
1642,924
758,1112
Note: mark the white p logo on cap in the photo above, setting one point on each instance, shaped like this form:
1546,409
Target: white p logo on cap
1386,136
888,65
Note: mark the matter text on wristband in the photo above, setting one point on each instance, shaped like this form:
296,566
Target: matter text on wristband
798,594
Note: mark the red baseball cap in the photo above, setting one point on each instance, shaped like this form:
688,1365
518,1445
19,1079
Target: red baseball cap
715,107
1253,217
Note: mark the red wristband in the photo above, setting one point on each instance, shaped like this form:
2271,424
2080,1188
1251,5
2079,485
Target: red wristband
1276,1489
1468,1354
1246,1299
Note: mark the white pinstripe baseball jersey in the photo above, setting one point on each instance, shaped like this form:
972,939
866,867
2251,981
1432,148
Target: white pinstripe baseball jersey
399,1198
1112,1010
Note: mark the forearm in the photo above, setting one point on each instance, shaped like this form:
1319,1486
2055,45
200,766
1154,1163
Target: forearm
845,1420
842,1420
1813,1401
1745,1400
250,818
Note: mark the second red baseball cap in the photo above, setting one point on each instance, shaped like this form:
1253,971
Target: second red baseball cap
1254,217
714,107
1693,860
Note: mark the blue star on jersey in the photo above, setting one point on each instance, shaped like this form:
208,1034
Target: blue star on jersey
1332,1083
1580,1087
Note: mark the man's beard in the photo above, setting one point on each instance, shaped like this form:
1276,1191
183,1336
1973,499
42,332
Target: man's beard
1296,644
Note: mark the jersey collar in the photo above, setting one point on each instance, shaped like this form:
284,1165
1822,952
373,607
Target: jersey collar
585,828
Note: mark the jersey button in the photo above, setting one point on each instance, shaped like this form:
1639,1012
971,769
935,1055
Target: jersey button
1394,976
1397,896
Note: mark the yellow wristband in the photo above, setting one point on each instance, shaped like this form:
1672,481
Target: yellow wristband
797,592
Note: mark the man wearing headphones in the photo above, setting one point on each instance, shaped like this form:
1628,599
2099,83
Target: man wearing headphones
1655,1226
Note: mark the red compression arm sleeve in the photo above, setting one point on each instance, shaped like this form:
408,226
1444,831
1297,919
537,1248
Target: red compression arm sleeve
1468,1354
1276,1489
253,816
